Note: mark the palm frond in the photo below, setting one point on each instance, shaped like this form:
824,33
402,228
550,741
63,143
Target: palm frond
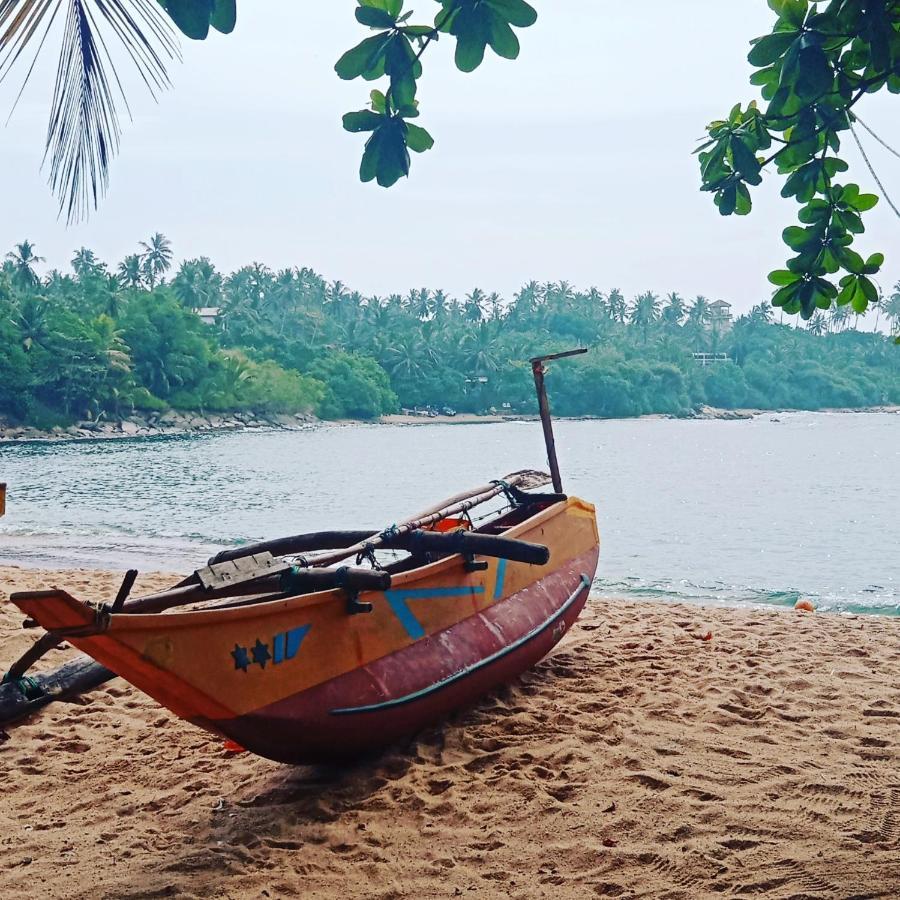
84,130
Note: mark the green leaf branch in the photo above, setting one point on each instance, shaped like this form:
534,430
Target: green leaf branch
812,69
194,18
395,52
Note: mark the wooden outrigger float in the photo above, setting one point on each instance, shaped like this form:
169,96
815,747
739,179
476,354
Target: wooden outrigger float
300,657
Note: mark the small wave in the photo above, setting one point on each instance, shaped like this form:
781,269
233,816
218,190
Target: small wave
720,594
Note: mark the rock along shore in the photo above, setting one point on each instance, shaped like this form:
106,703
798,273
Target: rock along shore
167,423
175,423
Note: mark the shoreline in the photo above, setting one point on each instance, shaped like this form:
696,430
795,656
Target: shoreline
178,424
14,569
657,746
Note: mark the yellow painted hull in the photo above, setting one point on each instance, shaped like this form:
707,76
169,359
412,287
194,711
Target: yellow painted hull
300,679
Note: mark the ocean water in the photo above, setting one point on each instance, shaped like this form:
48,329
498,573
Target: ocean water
761,511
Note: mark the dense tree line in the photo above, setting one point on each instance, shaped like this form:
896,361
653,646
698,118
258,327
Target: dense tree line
103,342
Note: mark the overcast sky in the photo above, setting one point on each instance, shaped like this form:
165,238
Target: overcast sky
572,163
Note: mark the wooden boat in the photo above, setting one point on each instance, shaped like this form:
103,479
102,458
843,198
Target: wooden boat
300,660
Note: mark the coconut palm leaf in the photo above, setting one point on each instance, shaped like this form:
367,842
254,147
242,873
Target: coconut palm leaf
84,131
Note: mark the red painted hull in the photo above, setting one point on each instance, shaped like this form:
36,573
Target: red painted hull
395,696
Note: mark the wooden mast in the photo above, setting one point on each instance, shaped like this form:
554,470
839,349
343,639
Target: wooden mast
538,369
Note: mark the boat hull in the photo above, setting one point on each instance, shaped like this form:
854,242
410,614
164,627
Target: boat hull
394,697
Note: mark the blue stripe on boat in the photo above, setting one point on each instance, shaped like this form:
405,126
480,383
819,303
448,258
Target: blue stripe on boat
585,582
398,601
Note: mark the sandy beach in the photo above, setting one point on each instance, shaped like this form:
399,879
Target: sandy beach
661,751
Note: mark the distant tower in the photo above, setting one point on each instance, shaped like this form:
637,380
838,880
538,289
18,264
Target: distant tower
720,315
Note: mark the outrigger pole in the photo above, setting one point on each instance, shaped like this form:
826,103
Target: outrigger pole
538,369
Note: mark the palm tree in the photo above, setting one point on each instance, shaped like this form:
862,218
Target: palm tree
494,304
85,264
404,358
235,372
84,129
892,309
241,306
594,301
250,288
617,305
433,343
644,313
473,306
112,295
479,350
562,294
118,353
527,300
421,304
699,313
839,316
761,314
440,303
131,271
156,258
674,310
166,371
335,293
817,324
32,322
24,259
197,284
287,295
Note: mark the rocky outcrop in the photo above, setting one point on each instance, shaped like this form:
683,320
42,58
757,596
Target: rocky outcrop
712,412
154,423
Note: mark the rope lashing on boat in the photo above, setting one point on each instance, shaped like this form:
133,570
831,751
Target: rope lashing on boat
26,686
367,554
507,489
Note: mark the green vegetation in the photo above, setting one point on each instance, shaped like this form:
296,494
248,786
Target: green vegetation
102,344
815,66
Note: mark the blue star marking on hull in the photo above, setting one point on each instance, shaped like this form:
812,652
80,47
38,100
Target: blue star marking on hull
241,660
284,647
261,653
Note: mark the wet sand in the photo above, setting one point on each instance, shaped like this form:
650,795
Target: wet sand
639,760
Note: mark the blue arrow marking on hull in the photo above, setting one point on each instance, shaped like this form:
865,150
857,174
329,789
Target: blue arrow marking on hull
398,601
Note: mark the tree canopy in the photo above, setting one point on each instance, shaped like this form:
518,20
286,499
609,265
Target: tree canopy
815,66
104,342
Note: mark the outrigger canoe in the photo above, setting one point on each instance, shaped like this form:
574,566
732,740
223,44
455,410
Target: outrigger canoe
300,660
